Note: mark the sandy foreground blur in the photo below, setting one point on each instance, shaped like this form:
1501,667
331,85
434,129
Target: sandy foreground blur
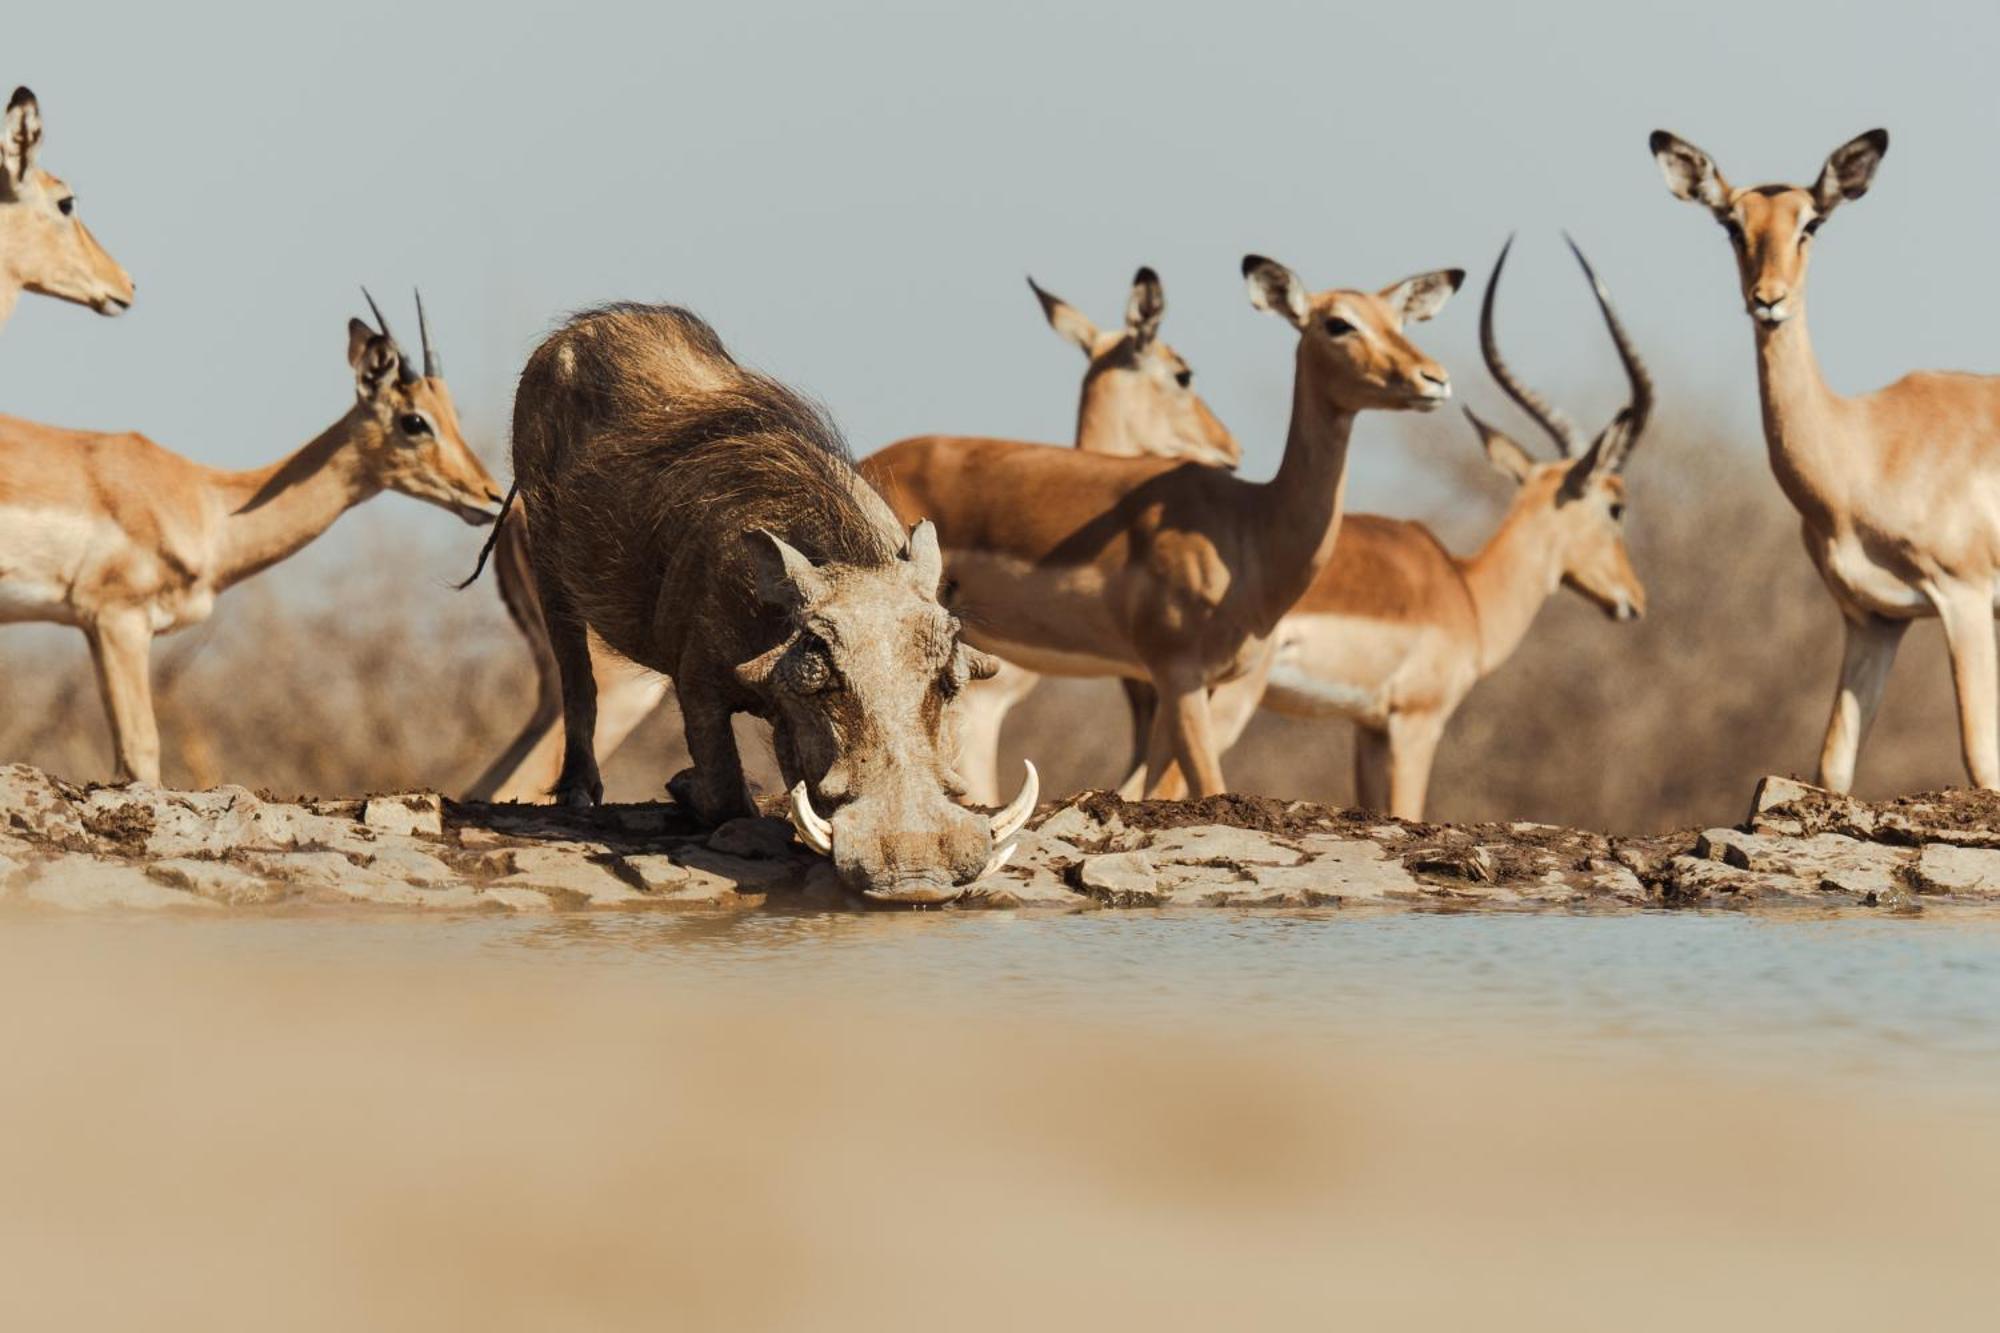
188,1142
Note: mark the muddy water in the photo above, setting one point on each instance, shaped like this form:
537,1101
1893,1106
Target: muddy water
1893,1002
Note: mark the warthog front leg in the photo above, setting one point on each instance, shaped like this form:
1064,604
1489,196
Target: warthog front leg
714,788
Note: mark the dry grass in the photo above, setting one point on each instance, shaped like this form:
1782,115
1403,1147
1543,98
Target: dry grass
355,668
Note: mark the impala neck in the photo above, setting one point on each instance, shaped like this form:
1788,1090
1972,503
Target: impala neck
1798,417
1297,512
1509,578
10,292
270,513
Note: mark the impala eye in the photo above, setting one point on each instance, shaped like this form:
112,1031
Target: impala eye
66,205
1617,512
1812,224
1734,228
1336,328
1184,377
414,424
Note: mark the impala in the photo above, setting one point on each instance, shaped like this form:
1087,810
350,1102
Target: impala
1137,397
44,246
1898,491
1396,630
125,540
1175,573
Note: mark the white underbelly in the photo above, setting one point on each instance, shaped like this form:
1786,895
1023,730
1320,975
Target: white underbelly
42,552
1867,585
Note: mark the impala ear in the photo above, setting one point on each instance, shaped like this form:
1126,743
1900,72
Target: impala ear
1275,288
1606,454
1418,298
785,578
23,138
1849,170
373,357
1145,308
1691,174
1509,459
1066,319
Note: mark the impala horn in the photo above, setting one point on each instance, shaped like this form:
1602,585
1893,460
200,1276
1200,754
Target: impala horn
404,374
1546,414
1641,406
433,364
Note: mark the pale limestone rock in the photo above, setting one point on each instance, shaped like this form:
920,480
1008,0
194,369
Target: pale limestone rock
418,814
1073,825
1220,845
1942,868
516,898
581,882
1122,879
412,866
84,884
1341,870
218,881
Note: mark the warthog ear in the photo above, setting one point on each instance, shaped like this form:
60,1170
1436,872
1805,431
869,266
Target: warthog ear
785,578
926,560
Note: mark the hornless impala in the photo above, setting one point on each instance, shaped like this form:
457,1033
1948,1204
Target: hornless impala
1396,630
1898,491
124,540
1072,563
44,246
1136,399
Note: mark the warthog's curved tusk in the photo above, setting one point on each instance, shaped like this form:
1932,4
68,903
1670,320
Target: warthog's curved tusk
998,859
815,832
1009,821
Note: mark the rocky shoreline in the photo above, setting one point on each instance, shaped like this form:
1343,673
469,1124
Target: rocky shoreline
137,848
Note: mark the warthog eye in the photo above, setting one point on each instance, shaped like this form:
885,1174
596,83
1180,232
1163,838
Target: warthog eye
807,669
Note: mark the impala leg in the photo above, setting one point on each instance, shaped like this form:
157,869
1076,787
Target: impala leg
1190,737
1413,744
1371,769
1144,705
983,710
1866,657
121,649
1968,632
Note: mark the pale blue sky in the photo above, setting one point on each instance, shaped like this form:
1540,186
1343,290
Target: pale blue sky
854,193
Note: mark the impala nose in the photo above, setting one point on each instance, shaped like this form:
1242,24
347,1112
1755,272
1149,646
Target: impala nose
1771,303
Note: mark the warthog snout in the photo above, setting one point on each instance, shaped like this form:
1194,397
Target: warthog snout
903,848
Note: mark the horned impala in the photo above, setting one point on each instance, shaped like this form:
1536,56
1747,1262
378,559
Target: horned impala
1898,491
1396,630
1137,398
1077,564
44,246
124,540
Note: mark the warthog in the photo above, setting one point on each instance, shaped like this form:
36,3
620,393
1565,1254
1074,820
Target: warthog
707,522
